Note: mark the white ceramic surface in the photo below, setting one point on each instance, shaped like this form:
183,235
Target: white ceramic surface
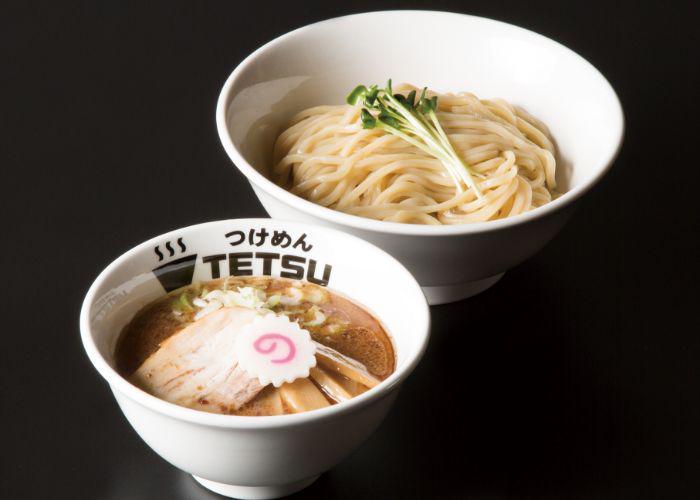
320,63
254,457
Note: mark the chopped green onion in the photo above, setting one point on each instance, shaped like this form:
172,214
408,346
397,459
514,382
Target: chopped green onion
183,303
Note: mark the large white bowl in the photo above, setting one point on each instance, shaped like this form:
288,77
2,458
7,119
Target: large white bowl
320,63
254,457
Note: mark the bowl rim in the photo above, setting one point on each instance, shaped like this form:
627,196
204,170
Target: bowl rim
119,384
363,223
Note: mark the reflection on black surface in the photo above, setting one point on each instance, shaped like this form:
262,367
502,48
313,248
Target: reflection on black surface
188,488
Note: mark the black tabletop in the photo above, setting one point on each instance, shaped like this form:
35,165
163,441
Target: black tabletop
576,376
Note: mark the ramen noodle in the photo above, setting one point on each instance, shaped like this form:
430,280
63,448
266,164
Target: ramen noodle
327,157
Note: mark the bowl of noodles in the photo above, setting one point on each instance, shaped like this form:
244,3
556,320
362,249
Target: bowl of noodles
165,324
458,144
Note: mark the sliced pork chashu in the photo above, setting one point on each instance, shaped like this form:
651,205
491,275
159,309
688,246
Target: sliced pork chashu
197,367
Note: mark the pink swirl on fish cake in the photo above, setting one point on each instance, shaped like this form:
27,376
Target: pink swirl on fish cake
267,344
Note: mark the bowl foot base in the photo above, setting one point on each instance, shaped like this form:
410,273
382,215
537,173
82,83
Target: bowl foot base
254,492
452,293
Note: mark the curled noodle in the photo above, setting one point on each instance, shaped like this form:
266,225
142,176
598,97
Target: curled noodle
326,157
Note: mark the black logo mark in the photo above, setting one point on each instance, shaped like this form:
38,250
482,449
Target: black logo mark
176,273
169,248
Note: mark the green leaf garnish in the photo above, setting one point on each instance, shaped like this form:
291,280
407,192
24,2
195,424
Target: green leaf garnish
411,98
415,122
357,93
368,121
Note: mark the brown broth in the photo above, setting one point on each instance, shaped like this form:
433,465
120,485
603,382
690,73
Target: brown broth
347,328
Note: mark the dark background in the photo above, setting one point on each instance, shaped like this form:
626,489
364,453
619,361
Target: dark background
576,376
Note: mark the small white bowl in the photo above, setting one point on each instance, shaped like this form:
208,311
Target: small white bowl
320,63
254,457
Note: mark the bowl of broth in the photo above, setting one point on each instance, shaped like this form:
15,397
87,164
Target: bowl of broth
254,354
461,151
